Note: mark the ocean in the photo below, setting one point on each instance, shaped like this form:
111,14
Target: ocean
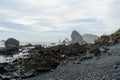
7,59
44,44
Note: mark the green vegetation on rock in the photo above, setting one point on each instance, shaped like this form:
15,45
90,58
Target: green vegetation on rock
109,39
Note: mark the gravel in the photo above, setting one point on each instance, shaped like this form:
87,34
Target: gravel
103,67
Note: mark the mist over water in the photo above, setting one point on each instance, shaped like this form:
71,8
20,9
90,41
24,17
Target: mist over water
33,43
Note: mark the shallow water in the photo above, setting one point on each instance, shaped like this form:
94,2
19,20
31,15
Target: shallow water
6,59
44,44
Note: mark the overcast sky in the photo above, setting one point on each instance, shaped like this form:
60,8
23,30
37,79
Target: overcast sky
51,20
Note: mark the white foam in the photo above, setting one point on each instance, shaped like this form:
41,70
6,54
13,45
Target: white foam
6,59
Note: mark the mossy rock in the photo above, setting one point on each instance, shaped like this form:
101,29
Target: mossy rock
104,40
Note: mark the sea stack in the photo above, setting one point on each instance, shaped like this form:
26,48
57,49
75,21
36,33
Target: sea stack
77,38
90,38
11,43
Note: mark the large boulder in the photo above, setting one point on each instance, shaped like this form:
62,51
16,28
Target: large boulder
38,65
90,38
76,38
11,43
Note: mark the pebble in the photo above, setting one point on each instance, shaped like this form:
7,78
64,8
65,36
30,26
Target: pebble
115,66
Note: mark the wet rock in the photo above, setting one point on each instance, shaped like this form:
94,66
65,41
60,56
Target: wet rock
11,43
1,51
11,47
77,38
38,47
39,65
115,66
4,77
2,70
66,41
28,45
9,51
46,59
3,64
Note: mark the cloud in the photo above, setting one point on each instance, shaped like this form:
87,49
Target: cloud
59,16
8,29
112,16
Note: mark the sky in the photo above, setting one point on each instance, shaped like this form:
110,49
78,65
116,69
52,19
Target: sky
51,20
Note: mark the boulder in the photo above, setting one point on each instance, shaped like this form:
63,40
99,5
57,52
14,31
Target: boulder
90,38
76,38
38,65
11,43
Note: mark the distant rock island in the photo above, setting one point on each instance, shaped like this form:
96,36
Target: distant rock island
11,43
77,37
90,38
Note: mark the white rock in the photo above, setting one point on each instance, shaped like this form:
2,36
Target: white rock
90,38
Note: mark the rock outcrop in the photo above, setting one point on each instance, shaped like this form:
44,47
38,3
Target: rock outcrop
66,41
39,65
11,43
106,40
76,38
90,38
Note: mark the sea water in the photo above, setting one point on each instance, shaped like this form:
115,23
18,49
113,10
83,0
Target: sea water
11,58
7,59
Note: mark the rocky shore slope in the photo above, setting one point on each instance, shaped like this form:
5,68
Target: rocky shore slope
99,61
95,65
103,67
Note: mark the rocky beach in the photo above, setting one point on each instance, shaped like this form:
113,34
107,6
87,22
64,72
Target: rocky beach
72,60
59,40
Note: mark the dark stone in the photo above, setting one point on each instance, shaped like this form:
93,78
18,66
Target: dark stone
38,47
30,73
39,65
28,45
95,51
3,64
11,43
6,79
2,70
